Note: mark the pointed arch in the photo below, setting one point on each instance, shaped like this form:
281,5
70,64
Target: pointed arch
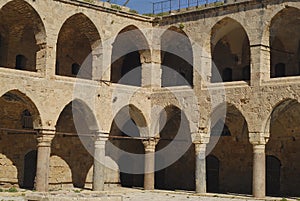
78,40
23,32
176,58
230,49
285,43
130,50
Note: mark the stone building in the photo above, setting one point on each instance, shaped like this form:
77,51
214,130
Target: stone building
250,50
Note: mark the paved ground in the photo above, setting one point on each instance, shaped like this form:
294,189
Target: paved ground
131,195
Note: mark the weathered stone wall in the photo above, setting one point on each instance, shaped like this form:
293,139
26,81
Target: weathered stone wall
48,94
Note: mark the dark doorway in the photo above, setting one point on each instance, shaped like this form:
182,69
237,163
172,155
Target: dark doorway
30,161
129,179
212,174
273,175
280,70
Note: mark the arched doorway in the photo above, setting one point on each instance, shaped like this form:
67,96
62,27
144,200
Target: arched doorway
125,146
30,162
175,153
212,174
231,150
176,58
73,143
17,137
282,149
230,49
273,166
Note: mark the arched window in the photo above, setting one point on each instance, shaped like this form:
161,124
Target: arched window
27,121
21,61
75,68
280,70
227,75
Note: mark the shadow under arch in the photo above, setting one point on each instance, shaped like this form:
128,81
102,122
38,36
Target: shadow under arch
229,142
285,43
73,141
22,36
17,140
78,41
125,145
175,152
283,144
176,58
130,50
230,51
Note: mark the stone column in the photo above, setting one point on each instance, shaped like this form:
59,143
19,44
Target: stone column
44,139
151,69
99,157
259,140
200,140
149,163
259,171
200,174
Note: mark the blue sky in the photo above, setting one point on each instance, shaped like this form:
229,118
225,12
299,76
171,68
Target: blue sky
142,6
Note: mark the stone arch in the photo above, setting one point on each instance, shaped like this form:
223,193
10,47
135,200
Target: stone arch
234,151
84,36
230,48
75,127
285,42
125,144
22,33
130,50
175,152
176,58
282,126
16,141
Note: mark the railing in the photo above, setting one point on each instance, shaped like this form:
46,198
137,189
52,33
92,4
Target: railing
170,5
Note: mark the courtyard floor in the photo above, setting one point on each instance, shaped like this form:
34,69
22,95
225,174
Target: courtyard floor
125,194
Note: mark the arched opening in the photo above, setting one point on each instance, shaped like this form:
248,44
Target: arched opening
176,58
22,37
125,146
175,153
212,174
30,162
17,137
78,41
284,170
130,50
232,150
284,43
230,46
273,166
74,129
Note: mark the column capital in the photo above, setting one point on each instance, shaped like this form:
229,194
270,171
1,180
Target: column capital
150,144
200,138
100,138
45,137
258,138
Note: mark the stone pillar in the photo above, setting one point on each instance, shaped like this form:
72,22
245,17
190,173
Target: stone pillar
44,139
151,69
259,171
259,140
149,163
200,174
260,64
99,157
